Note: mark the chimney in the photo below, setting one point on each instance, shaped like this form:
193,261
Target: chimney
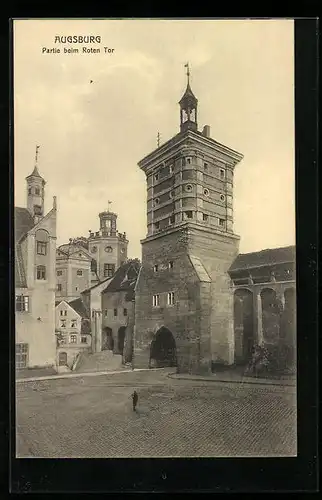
206,131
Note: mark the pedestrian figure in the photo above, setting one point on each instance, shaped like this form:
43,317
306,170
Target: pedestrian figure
135,398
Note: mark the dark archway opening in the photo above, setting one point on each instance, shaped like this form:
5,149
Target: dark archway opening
120,339
243,325
163,349
107,339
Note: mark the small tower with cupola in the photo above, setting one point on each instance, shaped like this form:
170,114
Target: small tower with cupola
107,246
35,192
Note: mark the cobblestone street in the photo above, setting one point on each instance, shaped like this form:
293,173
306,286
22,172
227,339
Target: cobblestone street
92,417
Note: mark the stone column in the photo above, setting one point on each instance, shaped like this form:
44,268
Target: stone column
258,317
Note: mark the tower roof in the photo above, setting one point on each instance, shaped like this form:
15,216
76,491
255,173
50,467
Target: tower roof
188,95
35,173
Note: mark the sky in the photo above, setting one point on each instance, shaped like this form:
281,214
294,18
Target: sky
95,116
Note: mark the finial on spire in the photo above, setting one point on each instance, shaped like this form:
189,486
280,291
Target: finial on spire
108,205
36,157
188,71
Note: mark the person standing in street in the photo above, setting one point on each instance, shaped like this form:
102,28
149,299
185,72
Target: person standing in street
135,398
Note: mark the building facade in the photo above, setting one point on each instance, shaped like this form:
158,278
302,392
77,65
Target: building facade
35,278
72,328
183,301
264,288
73,271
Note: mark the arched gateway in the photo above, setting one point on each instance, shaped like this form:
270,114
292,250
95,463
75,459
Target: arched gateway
163,349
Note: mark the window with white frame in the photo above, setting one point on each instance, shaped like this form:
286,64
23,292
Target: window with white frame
41,248
41,273
73,339
170,298
22,303
156,300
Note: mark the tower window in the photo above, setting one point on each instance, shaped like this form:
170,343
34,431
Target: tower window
189,214
189,187
41,248
41,273
156,300
83,339
115,312
59,273
172,194
205,166
37,191
155,268
222,197
170,265
109,270
124,311
171,169
59,289
29,191
221,222
188,161
156,201
206,192
222,173
172,219
157,226
79,272
170,298
37,210
205,217
156,177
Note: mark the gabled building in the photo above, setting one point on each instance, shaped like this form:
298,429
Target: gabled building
35,278
73,331
118,311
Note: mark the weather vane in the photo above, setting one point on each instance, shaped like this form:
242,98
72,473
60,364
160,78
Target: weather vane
36,158
188,70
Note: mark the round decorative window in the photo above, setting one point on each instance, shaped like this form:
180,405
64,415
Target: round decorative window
108,249
222,197
206,192
188,187
94,249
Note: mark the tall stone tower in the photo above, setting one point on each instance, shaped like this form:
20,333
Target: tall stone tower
184,303
107,246
35,194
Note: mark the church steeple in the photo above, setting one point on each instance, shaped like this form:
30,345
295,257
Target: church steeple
188,107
